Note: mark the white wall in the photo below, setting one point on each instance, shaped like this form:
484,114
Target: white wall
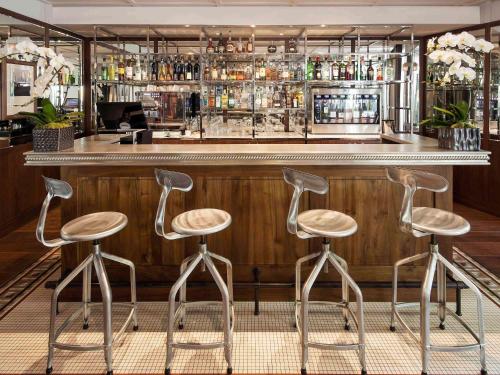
268,15
31,8
490,11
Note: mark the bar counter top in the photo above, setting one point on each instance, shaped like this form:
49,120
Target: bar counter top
402,149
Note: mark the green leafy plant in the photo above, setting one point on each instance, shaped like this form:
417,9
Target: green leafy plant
48,118
454,116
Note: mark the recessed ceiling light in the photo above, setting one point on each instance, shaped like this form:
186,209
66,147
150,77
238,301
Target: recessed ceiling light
323,25
281,34
186,25
252,25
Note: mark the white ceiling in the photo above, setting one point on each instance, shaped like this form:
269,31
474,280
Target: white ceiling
66,3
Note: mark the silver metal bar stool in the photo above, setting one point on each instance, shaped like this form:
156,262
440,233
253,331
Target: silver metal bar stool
326,224
200,222
92,227
426,221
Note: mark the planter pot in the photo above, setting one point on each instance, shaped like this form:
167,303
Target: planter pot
45,140
460,139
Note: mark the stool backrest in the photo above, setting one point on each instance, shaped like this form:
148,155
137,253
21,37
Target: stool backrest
412,181
301,181
55,188
169,181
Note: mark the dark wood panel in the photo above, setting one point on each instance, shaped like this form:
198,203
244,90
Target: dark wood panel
478,186
21,188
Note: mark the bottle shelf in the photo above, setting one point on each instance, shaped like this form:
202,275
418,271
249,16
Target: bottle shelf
277,110
363,83
145,83
278,82
228,82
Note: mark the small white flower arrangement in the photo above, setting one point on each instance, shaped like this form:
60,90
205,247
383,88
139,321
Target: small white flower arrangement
51,64
458,54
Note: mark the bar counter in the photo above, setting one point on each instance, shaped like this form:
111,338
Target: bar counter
246,180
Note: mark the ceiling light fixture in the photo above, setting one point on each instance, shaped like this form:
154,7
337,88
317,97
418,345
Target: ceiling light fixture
323,25
186,25
252,25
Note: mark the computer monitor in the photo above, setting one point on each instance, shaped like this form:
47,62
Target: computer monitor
116,115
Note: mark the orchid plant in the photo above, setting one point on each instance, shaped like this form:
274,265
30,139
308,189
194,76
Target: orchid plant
458,53
48,61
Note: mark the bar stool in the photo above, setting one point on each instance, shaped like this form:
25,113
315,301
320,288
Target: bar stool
200,222
426,221
326,224
92,227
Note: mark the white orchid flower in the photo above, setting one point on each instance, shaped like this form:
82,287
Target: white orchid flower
431,44
454,67
469,60
436,55
465,40
469,74
448,40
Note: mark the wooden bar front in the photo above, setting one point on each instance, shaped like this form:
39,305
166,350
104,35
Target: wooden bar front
258,199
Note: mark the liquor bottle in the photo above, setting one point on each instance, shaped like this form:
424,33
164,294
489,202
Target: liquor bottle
317,69
210,46
295,100
214,74
129,69
264,101
370,73
262,73
111,69
230,99
389,71
342,70
335,70
362,69
211,99
380,70
353,70
299,73
144,70
292,46
218,99
223,71
137,69
224,99
348,71
310,69
196,71
175,69
258,98
220,45
248,72
276,98
239,46
181,75
154,70
189,70
207,73
121,70
169,70
162,71
249,45
229,44
104,70
325,70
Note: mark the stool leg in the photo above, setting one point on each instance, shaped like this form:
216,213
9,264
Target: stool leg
345,290
359,308
171,309
106,307
298,285
425,311
229,275
133,285
53,307
228,339
304,308
457,274
87,294
441,293
399,263
182,294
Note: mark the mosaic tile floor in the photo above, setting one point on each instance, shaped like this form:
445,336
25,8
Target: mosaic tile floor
262,344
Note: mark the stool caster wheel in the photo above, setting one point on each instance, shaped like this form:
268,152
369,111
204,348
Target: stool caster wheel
85,325
109,372
441,326
484,372
136,328
167,371
363,372
48,370
392,328
181,325
303,371
229,370
347,327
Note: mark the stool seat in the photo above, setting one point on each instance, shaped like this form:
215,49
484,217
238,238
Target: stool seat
93,226
201,222
327,223
440,222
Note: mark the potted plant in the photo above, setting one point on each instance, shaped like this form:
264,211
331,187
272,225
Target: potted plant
456,131
53,131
